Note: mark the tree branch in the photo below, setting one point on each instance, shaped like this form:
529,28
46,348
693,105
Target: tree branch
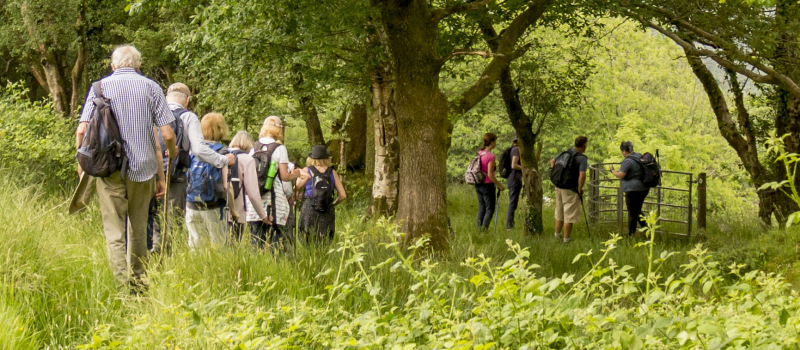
728,48
504,53
687,46
440,14
465,52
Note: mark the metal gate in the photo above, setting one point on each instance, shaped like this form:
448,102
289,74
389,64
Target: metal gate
672,202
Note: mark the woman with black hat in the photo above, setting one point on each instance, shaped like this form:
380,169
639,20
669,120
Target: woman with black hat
318,181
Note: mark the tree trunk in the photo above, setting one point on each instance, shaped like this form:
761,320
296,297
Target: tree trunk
80,61
307,108
350,138
422,120
386,161
357,137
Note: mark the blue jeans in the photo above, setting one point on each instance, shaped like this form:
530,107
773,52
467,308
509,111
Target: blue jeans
487,200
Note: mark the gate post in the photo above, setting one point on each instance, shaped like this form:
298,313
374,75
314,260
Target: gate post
701,201
620,223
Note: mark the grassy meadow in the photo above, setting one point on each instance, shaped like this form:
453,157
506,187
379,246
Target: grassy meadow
491,291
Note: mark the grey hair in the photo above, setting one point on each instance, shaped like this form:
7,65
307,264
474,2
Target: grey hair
177,96
126,56
626,146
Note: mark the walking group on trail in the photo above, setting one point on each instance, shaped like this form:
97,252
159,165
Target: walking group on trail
156,162
637,174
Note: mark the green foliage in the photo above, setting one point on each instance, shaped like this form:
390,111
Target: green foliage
36,146
365,290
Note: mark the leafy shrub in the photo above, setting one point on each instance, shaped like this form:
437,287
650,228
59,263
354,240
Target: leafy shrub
504,306
36,145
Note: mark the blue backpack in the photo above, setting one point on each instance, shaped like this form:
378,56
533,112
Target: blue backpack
205,181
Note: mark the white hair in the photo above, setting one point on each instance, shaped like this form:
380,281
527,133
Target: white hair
177,96
126,56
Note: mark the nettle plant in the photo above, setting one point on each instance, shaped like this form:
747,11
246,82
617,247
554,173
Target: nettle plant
403,302
777,148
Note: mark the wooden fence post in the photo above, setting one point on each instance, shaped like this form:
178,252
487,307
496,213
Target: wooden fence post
701,201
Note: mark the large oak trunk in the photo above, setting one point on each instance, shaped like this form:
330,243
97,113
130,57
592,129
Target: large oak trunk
422,120
386,161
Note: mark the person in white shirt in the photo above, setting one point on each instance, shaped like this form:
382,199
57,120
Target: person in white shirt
261,233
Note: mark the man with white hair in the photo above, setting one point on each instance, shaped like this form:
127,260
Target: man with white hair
178,97
138,104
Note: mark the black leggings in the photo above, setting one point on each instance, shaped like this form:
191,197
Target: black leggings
634,202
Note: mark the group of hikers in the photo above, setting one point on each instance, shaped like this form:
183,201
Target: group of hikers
156,163
637,174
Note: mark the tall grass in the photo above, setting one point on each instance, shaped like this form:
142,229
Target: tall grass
503,290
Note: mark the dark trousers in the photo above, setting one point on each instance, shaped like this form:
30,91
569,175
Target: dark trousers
261,233
237,231
486,204
634,202
514,189
156,236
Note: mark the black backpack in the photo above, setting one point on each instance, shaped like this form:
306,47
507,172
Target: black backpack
265,169
561,173
184,159
650,170
102,150
505,163
321,189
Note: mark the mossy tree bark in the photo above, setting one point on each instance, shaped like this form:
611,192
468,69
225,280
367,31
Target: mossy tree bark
424,115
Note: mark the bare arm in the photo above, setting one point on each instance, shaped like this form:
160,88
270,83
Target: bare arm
581,181
339,188
285,174
78,139
161,181
515,163
169,140
302,180
492,177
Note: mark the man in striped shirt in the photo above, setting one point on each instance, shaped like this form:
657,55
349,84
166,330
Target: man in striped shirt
138,104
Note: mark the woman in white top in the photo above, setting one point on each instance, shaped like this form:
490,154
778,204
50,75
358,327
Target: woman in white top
272,132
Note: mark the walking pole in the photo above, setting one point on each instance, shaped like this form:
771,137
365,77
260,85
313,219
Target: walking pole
166,207
585,217
496,209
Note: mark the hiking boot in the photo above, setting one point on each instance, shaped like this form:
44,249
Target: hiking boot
567,239
558,235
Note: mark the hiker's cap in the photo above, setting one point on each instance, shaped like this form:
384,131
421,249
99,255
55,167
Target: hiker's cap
319,152
179,87
273,120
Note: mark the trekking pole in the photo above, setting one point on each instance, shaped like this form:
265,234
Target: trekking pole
585,217
164,229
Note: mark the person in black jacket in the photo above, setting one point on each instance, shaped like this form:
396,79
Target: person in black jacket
630,175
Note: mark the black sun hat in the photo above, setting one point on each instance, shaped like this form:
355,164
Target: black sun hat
319,152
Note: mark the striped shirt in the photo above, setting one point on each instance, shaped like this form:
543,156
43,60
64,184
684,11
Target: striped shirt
138,103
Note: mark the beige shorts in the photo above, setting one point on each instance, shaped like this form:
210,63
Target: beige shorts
568,206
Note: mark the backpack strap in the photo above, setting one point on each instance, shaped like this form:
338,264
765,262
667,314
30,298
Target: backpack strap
98,89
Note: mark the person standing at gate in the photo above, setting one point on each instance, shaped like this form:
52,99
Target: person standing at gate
514,184
630,175
568,173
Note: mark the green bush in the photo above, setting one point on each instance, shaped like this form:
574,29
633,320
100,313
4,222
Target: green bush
36,145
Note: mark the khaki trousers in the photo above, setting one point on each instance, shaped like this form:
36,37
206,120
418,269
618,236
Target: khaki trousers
121,198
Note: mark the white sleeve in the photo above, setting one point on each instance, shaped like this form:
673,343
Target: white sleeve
281,155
